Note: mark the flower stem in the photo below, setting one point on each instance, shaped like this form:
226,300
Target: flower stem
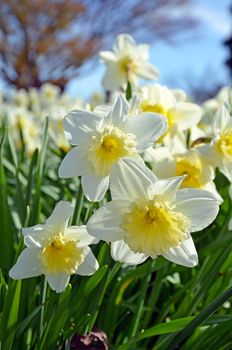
88,212
78,207
43,305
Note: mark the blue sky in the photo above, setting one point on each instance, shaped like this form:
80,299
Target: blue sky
191,60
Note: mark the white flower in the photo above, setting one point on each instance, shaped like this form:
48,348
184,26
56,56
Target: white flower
198,172
21,98
56,250
24,119
152,217
49,92
102,139
219,151
212,105
127,61
181,115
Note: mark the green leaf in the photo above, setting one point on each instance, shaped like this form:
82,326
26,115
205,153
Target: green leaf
209,310
94,280
6,255
10,315
39,176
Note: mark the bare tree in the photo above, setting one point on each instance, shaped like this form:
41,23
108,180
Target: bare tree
50,40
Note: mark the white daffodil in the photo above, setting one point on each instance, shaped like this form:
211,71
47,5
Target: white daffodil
19,117
211,106
181,115
127,62
219,151
56,250
21,98
152,217
102,139
49,92
198,172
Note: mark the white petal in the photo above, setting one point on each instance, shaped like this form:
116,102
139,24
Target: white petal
58,282
106,222
119,110
107,56
211,187
176,141
89,265
130,178
58,220
209,154
94,187
160,95
32,243
80,234
103,110
80,125
75,163
35,235
121,252
147,127
113,78
134,104
200,206
162,162
167,188
221,120
123,44
185,254
143,51
27,265
186,115
147,71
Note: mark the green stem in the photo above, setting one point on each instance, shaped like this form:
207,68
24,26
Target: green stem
128,91
43,305
88,212
78,207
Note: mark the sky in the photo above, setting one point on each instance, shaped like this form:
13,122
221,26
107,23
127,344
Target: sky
189,62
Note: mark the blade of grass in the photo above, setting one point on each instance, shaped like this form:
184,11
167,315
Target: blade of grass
197,321
6,255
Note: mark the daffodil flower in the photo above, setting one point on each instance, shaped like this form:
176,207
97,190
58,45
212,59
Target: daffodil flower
127,61
102,139
219,151
149,217
198,172
56,250
181,115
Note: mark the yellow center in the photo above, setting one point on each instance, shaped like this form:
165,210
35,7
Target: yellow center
154,227
224,144
127,65
61,255
110,145
193,172
157,108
